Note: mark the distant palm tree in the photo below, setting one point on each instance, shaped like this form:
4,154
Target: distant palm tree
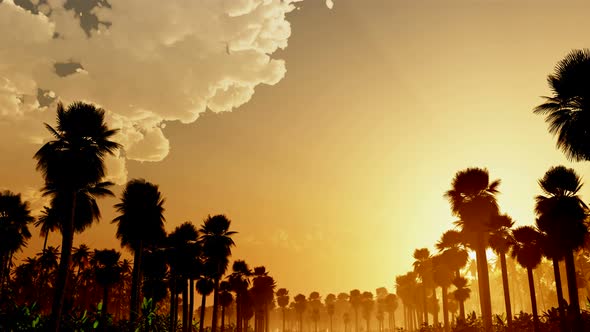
527,252
283,301
461,292
567,111
108,273
355,300
239,283
346,320
452,244
73,161
367,304
406,288
473,199
391,304
140,224
204,287
500,241
225,300
561,215
48,221
217,242
262,292
443,276
300,305
423,267
14,231
330,302
315,302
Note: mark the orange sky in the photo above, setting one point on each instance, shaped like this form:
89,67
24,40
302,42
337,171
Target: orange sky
334,175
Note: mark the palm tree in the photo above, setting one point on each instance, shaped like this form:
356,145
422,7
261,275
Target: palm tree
204,287
473,199
283,302
315,303
108,273
527,252
443,276
239,282
561,215
355,300
461,294
423,267
139,225
225,300
501,241
346,320
262,292
406,286
367,304
330,301
300,305
14,231
183,257
567,110
48,221
390,307
456,257
72,162
217,242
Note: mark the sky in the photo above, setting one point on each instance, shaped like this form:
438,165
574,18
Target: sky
327,136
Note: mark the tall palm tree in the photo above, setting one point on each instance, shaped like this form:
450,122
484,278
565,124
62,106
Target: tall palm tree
355,300
500,241
262,292
108,273
473,199
568,110
239,282
443,276
367,304
406,287
225,300
139,226
330,302
204,286
70,163
561,215
300,305
217,242
15,216
283,301
527,252
315,302
462,292
390,307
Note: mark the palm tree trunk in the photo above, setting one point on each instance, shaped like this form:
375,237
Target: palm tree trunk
239,320
425,305
533,299
266,318
135,280
105,301
559,290
202,319
435,311
45,241
59,294
484,284
192,303
222,318
356,320
215,301
572,287
445,304
506,290
185,300
300,322
393,319
172,298
331,329
284,320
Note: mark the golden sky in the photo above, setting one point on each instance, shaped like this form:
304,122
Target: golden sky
334,173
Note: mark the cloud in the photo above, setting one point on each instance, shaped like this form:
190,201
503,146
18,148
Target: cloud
145,61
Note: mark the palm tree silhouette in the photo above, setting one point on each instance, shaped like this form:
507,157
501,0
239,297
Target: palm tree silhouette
346,320
367,304
225,300
239,282
500,241
456,257
204,287
262,292
300,305
561,215
330,302
14,231
461,292
527,252
48,222
108,273
355,300
406,288
343,303
73,161
390,307
567,110
217,242
443,276
139,226
423,268
473,199
315,302
283,301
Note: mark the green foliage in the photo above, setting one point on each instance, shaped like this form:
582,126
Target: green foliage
150,320
21,318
